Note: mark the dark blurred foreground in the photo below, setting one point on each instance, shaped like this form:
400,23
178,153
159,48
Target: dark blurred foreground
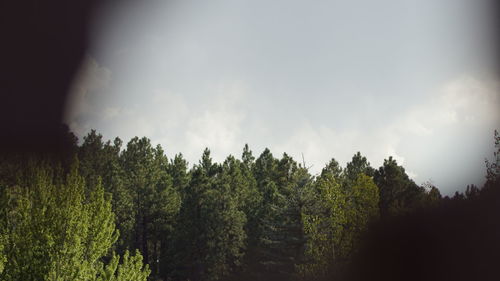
459,240
43,43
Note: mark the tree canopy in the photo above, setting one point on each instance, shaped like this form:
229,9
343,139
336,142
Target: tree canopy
107,212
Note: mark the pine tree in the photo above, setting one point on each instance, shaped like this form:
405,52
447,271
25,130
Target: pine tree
398,193
493,167
324,224
155,201
358,165
251,205
211,225
362,208
284,186
226,234
178,170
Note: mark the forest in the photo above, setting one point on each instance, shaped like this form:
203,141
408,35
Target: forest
105,210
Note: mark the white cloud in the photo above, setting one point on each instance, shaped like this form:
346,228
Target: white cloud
465,99
392,152
218,124
412,175
457,106
470,99
83,97
111,112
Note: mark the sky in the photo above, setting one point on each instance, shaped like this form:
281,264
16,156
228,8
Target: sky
414,80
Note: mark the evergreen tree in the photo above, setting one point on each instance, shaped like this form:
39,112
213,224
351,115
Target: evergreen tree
251,205
433,196
178,170
493,167
284,186
362,208
323,225
358,165
156,203
265,171
334,169
398,193
211,233
226,235
99,160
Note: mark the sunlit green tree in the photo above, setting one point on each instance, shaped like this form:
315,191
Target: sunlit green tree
54,229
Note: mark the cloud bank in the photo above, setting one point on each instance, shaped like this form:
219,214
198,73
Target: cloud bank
431,139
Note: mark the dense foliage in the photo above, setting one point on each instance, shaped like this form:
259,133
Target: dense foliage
78,216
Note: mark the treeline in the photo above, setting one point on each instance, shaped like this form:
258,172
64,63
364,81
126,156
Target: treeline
79,215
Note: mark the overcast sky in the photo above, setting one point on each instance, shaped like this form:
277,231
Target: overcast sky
411,79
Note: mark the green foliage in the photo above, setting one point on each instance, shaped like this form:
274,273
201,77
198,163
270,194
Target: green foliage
433,196
264,218
398,193
362,207
323,226
100,161
358,165
155,201
131,269
52,229
333,169
493,167
178,170
3,257
211,235
226,235
343,208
